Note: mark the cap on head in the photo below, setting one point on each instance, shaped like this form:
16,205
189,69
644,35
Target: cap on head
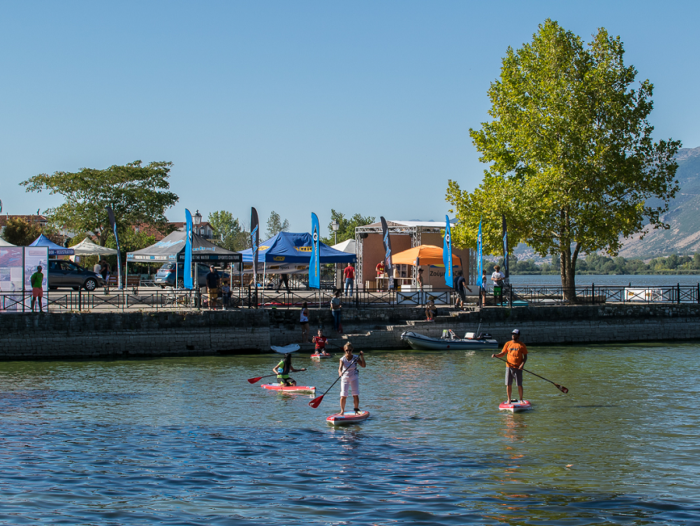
516,331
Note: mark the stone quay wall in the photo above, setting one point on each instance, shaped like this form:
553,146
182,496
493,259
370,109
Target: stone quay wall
94,335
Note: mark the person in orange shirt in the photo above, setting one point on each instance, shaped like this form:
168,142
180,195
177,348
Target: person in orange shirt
515,361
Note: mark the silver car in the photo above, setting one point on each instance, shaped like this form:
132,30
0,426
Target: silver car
68,274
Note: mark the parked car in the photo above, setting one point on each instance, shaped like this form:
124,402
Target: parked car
68,274
165,277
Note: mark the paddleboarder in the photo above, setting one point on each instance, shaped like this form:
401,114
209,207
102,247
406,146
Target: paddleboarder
347,369
320,342
515,361
283,369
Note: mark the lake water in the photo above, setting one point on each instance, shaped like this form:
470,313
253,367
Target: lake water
587,279
190,441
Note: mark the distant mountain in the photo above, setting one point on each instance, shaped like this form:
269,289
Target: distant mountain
683,216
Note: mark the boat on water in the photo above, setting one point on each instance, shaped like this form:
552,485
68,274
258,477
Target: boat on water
449,342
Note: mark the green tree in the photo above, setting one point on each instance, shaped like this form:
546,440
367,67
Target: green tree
572,164
346,226
275,225
228,232
138,195
20,232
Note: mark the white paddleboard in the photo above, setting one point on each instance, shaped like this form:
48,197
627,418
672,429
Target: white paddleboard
292,347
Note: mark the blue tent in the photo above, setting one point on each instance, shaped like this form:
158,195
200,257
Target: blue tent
287,247
54,249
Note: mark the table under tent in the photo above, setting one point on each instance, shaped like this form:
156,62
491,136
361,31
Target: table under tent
171,249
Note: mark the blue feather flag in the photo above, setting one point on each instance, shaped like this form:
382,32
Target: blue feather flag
315,263
187,278
447,254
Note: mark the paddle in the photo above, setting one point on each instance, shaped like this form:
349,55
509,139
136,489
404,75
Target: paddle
317,401
254,380
560,387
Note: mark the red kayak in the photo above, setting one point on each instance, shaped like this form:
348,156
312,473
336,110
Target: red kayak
289,388
349,417
317,356
515,406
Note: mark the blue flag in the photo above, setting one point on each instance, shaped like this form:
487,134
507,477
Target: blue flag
315,264
506,269
447,254
188,281
479,260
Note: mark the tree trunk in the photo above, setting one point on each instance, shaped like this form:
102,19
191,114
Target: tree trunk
568,275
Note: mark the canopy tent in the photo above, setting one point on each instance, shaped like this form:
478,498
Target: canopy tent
289,248
87,247
4,243
346,246
54,249
172,248
422,255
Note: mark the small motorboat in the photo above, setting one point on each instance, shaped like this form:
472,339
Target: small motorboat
449,342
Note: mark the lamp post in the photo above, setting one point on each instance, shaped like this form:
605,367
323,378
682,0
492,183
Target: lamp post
197,219
335,225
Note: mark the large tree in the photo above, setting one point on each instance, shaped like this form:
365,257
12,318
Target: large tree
346,226
138,195
571,161
228,231
275,225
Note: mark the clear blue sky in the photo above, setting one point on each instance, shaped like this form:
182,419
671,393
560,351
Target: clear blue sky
294,106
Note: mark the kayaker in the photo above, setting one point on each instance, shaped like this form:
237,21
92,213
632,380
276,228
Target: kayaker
350,377
515,361
283,369
320,342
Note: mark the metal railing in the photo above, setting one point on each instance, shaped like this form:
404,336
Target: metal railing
517,295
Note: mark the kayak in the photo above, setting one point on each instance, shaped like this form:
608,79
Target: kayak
349,417
317,356
289,388
515,407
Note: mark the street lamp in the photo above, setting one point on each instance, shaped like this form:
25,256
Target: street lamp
197,220
335,226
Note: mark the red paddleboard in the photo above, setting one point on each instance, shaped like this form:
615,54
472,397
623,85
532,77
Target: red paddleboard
515,406
348,417
289,388
317,356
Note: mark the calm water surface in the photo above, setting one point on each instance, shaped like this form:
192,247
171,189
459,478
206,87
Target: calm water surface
189,441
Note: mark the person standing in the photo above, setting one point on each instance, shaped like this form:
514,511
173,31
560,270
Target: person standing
347,369
283,369
380,273
104,270
515,361
460,286
97,269
497,278
336,311
320,342
284,278
37,283
212,286
349,273
304,321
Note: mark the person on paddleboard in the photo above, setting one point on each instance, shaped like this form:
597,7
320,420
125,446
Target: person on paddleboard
515,361
350,377
320,342
283,369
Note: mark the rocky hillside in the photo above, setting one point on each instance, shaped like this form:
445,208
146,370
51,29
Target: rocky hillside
683,216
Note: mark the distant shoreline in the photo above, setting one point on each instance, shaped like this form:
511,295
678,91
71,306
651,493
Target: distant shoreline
587,273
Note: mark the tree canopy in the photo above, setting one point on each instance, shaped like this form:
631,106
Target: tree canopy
275,225
346,226
138,195
571,161
228,231
20,232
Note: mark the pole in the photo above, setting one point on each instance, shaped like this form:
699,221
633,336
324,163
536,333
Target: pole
263,287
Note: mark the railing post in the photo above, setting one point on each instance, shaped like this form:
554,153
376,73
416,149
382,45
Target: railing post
592,293
80,299
678,293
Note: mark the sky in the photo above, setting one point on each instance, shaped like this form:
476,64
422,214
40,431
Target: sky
297,107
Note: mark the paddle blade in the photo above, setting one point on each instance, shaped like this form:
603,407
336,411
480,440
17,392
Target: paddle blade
253,380
562,388
316,401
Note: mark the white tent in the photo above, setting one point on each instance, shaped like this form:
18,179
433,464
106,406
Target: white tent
4,243
88,248
346,246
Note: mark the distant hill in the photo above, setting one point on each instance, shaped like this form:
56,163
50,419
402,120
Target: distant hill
683,216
